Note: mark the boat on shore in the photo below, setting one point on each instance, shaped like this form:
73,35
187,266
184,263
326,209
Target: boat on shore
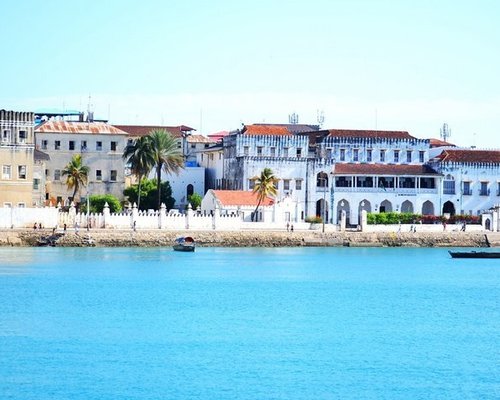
474,254
184,243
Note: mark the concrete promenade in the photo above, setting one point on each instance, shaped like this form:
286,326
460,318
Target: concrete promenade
156,238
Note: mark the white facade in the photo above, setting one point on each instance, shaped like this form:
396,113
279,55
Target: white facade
190,180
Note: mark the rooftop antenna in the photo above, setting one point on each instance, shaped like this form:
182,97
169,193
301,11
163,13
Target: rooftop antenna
90,113
445,132
293,118
320,117
376,119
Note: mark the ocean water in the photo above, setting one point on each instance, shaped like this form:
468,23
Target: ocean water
252,323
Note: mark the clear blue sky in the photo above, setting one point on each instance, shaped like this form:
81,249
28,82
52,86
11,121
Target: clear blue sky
401,65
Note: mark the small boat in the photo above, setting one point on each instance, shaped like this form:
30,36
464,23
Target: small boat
474,254
184,243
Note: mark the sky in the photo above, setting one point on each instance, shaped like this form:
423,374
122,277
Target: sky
214,65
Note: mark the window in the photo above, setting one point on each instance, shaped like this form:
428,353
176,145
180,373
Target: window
285,152
23,135
207,145
355,155
286,184
466,186
72,145
273,151
21,172
498,188
7,205
299,153
113,175
98,175
98,146
193,146
57,145
408,156
179,145
328,153
36,183
259,150
45,144
421,156
251,184
448,185
6,172
6,135
57,174
483,191
396,156
113,146
245,150
382,155
342,154
21,205
211,157
84,145
298,184
369,155
47,173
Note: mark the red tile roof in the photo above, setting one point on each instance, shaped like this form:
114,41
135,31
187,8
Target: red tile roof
355,133
271,130
240,198
440,143
382,169
144,130
470,156
78,128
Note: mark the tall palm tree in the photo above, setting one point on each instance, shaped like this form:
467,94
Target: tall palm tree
264,186
77,174
166,155
139,156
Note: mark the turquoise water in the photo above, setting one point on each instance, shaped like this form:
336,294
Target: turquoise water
312,323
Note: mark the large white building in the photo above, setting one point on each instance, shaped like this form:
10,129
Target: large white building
328,172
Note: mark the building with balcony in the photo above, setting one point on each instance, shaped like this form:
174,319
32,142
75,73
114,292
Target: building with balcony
17,148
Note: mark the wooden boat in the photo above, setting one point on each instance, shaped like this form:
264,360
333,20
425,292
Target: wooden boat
474,254
184,243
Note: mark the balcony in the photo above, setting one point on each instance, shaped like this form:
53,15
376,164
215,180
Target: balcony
400,191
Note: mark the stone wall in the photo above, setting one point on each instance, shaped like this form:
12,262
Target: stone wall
152,238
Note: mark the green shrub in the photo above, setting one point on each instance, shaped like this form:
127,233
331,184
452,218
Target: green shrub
97,202
314,220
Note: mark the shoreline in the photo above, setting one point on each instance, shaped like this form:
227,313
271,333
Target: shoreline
161,238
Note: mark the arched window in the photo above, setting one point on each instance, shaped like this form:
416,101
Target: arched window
322,180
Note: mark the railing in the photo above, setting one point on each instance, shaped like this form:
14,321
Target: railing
382,190
484,192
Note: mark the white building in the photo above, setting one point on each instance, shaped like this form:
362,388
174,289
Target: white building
191,179
471,180
325,172
101,147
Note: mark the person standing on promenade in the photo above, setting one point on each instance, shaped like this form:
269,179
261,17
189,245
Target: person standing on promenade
291,228
287,226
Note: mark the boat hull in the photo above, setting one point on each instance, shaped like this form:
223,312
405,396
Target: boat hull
475,254
183,247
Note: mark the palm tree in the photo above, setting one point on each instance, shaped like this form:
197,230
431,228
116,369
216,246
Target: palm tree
166,155
77,174
139,156
264,186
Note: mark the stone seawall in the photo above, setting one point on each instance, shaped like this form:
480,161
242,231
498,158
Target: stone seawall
155,238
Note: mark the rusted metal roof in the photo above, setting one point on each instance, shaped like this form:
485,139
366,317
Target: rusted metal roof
266,130
470,156
144,130
382,169
92,128
199,139
440,143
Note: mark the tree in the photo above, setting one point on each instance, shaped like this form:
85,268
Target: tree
166,155
77,174
97,202
149,194
195,200
139,156
264,186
